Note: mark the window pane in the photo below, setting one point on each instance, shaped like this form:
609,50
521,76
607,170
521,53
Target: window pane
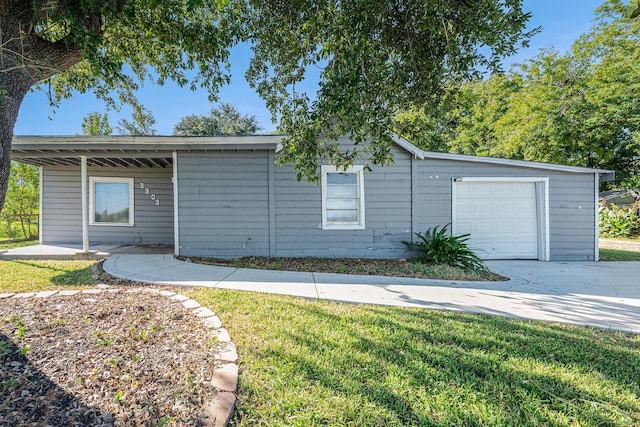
342,204
342,191
342,216
342,178
111,202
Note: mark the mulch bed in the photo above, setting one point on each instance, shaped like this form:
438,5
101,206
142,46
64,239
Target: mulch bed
361,266
125,358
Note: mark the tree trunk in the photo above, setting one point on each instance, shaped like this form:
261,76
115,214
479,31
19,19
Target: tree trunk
12,94
25,60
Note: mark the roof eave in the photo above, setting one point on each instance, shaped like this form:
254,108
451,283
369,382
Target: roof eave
605,175
144,143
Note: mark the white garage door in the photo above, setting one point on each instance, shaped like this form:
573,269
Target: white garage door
501,218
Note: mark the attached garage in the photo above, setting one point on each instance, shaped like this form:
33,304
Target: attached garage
505,217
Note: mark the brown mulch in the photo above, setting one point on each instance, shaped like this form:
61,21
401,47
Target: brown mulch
125,358
361,266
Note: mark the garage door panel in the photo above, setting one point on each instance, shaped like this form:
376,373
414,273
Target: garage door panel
481,209
501,218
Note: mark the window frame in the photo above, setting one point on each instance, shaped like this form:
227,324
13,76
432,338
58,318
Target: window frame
359,171
92,205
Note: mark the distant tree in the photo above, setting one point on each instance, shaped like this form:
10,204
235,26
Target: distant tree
22,202
141,123
226,120
580,108
96,124
464,123
428,127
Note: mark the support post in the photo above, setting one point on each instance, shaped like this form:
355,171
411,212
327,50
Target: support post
176,210
85,204
41,204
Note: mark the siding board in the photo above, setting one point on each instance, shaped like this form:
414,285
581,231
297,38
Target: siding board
61,207
387,192
224,203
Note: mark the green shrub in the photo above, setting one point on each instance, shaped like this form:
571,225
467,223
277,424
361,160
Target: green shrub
436,246
616,221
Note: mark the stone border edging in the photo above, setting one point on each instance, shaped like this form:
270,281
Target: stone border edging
218,412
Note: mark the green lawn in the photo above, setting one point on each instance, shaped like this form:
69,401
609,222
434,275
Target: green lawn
5,246
618,255
35,276
324,363
307,363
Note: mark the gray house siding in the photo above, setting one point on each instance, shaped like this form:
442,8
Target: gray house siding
224,209
223,206
298,215
571,202
235,202
62,211
572,217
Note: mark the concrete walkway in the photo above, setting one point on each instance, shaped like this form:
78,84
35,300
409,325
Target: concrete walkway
604,295
71,251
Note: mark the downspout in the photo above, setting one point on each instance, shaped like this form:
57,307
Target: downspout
85,204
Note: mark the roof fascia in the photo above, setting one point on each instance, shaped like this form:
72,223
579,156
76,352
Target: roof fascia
251,142
605,175
145,143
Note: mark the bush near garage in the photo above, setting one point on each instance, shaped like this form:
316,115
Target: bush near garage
619,222
438,246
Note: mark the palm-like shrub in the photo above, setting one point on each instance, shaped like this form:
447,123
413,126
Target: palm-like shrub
437,246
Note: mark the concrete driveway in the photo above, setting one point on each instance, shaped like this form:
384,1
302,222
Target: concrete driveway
603,294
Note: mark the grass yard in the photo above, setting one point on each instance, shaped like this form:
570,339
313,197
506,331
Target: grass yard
618,255
36,276
13,245
322,363
305,363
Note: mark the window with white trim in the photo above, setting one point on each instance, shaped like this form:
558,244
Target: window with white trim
111,201
342,198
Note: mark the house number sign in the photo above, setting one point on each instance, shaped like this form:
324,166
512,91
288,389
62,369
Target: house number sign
151,195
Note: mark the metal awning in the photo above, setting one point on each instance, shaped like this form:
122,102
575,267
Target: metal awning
127,151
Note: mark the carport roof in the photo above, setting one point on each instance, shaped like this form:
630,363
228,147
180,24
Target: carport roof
128,151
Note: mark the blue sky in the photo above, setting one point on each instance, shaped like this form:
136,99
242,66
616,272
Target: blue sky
561,21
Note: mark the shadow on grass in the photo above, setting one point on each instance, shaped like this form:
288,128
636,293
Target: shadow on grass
30,397
68,275
368,365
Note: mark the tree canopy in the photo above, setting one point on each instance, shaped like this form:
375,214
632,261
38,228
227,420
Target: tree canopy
578,108
225,120
376,58
141,123
96,124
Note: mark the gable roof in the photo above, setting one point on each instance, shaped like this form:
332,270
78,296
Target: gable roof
156,151
605,175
